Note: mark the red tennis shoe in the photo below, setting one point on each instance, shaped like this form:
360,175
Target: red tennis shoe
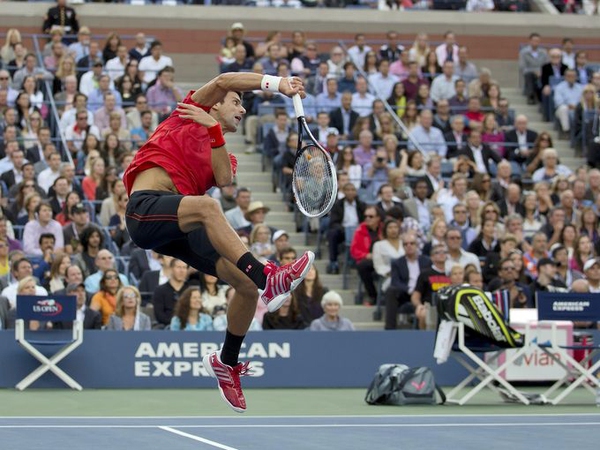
281,281
228,379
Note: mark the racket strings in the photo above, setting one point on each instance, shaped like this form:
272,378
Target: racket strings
314,181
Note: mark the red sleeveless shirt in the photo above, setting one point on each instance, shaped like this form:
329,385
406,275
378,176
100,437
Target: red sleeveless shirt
182,148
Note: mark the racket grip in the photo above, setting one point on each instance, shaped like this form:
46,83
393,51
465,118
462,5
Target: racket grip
298,108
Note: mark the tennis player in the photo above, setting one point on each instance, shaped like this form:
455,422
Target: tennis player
169,212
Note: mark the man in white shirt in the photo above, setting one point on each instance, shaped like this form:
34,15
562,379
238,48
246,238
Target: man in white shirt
116,67
134,117
362,101
448,51
68,118
359,50
442,87
382,82
456,254
75,135
456,194
89,80
567,95
156,61
6,162
21,268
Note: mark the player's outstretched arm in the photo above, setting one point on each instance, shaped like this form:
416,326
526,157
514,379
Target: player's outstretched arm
215,90
222,162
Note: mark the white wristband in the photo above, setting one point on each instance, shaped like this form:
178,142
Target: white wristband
270,83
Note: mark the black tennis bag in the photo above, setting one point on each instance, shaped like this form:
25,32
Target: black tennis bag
483,321
397,384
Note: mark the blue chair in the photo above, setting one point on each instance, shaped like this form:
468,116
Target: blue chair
44,308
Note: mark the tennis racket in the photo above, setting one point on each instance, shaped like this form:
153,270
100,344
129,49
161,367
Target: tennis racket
314,180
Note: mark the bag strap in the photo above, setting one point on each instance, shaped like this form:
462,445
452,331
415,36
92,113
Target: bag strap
407,375
441,393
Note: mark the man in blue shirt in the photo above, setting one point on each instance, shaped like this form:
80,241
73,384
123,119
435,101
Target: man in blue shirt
567,94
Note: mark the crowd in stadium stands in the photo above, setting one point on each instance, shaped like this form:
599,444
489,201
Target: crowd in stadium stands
465,192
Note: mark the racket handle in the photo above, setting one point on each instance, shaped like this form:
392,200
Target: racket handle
298,108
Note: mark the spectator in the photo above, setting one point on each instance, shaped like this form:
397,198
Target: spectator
383,82
591,269
462,221
134,117
448,51
376,172
281,243
260,242
81,48
15,174
115,67
441,119
56,53
36,228
419,207
442,87
553,68
564,273
336,62
546,278
364,151
330,98
538,252
105,300
492,136
255,214
520,141
346,164
429,281
127,315
520,295
386,250
164,95
456,254
92,241
21,269
583,251
97,98
4,261
236,216
152,64
86,63
72,232
11,94
103,115
69,117
105,261
141,48
287,317
427,136
423,98
166,295
459,102
347,82
413,81
567,95
550,168
92,320
54,274
272,59
30,69
358,51
237,32
366,234
90,80
331,320
190,314
463,68
568,55
19,61
91,182
486,242
456,140
62,17
491,266
76,134
480,153
505,117
305,64
474,116
531,60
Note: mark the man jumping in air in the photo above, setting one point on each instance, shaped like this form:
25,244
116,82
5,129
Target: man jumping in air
169,212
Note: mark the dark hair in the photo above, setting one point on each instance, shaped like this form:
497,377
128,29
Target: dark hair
17,263
182,308
46,236
387,222
103,280
43,203
86,234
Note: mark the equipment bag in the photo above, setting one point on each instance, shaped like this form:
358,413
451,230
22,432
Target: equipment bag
397,384
471,306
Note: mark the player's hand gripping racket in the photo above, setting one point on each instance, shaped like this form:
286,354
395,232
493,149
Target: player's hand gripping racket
314,179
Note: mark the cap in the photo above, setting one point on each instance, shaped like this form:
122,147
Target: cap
73,286
255,206
545,262
333,131
78,208
237,26
279,233
590,263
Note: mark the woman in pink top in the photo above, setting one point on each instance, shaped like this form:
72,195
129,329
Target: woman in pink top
492,135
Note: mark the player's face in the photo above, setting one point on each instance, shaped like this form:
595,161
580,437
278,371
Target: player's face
229,113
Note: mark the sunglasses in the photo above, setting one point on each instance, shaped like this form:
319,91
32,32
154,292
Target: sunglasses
111,277
3,78
129,296
370,217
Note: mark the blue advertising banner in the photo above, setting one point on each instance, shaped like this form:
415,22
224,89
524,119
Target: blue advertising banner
162,359
55,308
568,306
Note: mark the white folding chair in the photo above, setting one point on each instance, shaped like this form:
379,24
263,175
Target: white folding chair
552,308
481,370
43,309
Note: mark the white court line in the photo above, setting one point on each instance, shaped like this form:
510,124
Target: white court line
197,438
331,425
302,416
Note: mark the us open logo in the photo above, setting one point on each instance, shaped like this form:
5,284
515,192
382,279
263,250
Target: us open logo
48,307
